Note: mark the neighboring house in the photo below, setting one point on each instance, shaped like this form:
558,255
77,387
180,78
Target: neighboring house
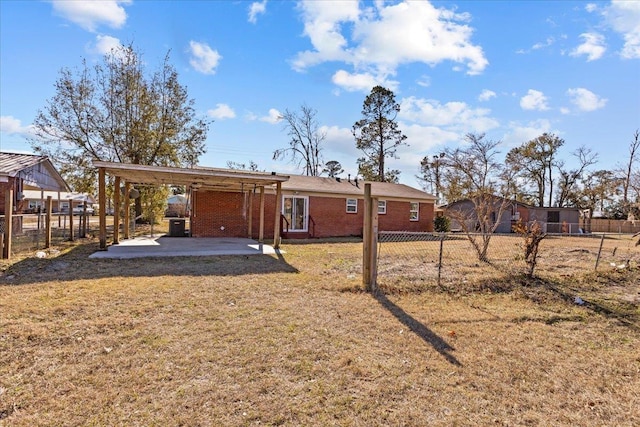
177,206
35,200
23,172
553,220
313,207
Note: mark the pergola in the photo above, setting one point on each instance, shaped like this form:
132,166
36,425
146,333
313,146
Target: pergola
199,178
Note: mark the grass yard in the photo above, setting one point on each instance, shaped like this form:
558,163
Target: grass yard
293,340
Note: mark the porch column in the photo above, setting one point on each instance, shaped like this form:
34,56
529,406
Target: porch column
116,210
261,231
8,223
276,225
71,237
102,202
126,213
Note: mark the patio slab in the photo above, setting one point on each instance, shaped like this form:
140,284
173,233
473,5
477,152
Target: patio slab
163,246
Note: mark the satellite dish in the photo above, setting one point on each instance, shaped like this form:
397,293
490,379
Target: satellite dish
134,193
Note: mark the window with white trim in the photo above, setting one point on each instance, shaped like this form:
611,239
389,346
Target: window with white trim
382,207
352,205
414,211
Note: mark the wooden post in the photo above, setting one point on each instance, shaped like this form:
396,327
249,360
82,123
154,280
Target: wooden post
102,202
70,220
261,230
8,223
125,211
370,241
47,241
250,216
116,210
599,252
276,225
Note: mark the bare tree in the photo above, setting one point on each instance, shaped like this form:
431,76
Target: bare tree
628,172
569,179
431,169
479,177
305,145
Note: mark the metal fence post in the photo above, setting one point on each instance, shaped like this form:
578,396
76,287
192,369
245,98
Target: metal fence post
440,258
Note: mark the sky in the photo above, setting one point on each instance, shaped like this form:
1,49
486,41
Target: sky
510,69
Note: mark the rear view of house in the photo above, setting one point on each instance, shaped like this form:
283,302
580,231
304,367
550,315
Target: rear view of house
313,207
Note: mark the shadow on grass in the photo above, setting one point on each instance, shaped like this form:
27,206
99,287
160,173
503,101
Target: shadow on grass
430,337
625,317
74,264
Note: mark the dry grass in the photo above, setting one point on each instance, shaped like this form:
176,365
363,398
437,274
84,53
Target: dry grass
263,340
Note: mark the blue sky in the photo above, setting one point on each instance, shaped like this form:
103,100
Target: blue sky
512,70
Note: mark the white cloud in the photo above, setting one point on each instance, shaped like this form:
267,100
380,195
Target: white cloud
624,18
221,112
534,100
486,95
548,42
257,8
519,133
424,81
90,14
12,126
384,36
105,45
593,46
591,7
565,110
586,100
273,117
340,142
203,59
454,116
361,82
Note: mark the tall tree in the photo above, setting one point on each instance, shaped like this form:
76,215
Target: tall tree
478,177
377,135
534,161
432,169
115,112
628,172
306,139
570,178
332,168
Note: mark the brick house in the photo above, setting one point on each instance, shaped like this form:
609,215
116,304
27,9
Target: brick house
313,207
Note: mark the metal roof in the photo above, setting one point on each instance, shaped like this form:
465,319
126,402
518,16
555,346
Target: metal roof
196,177
37,171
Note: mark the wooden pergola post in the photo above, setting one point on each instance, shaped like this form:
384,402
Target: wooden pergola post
102,202
250,216
47,239
116,210
126,213
276,225
71,237
8,223
261,231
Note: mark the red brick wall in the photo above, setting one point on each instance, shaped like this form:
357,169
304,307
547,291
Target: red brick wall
329,217
219,214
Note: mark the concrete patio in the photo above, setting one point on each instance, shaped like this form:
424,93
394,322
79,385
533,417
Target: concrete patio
162,246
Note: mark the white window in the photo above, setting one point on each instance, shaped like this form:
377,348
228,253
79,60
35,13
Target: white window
352,205
382,207
414,211
295,210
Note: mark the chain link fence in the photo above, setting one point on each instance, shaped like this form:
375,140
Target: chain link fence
409,261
